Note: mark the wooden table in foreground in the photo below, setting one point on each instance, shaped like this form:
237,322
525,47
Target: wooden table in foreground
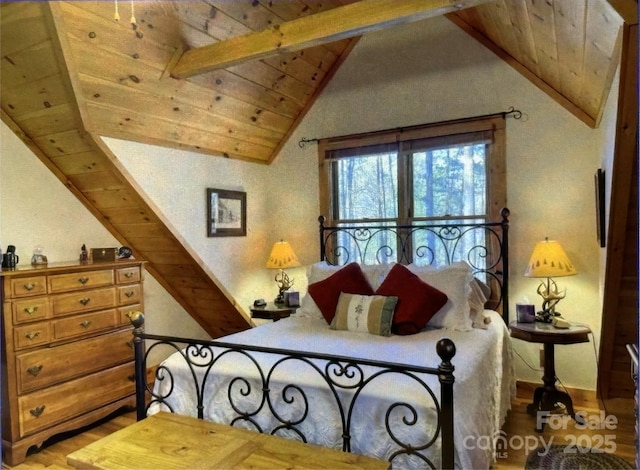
171,441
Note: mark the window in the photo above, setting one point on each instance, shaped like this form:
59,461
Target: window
447,172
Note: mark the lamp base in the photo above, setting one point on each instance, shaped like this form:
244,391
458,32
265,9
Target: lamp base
284,283
279,300
546,316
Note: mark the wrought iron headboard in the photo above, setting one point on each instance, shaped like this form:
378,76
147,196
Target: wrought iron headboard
483,245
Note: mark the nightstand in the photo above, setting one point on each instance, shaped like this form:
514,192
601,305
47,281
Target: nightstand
272,311
546,397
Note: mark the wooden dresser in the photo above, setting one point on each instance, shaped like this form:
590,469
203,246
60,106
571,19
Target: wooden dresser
67,357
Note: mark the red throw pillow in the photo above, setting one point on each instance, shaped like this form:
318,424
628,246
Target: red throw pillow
417,300
326,293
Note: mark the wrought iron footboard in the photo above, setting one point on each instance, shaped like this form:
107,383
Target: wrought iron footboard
346,381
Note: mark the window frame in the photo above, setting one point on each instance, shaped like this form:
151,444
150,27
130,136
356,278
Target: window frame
330,149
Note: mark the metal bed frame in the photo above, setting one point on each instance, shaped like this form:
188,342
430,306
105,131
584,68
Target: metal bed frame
344,377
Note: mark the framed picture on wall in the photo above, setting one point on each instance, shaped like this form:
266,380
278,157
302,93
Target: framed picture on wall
226,213
600,223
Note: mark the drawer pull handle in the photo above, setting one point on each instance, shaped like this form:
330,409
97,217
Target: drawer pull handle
128,274
129,294
29,286
130,344
85,301
37,411
83,280
35,370
132,377
32,334
31,310
86,324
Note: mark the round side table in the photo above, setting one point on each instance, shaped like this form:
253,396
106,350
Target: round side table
546,397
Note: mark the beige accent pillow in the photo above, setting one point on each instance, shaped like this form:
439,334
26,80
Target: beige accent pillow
364,313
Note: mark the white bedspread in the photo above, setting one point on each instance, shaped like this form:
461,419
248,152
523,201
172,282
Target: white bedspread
483,390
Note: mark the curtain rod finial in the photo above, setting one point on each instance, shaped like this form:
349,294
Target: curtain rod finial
304,141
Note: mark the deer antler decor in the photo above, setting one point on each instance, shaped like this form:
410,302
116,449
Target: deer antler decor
550,297
284,283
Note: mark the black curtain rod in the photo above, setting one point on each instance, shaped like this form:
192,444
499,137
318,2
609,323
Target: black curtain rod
511,112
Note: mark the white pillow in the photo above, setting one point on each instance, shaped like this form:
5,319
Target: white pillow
477,299
455,281
375,274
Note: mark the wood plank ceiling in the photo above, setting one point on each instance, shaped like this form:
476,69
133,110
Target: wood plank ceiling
250,70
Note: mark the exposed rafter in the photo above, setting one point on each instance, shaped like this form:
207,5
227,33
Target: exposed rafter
310,31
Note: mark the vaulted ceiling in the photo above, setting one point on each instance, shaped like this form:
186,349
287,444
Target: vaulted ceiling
233,79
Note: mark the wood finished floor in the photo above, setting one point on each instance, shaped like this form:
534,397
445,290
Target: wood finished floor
518,428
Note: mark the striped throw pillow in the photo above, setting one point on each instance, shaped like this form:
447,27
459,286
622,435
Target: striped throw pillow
365,313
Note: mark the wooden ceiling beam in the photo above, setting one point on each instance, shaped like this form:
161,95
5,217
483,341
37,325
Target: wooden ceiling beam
313,30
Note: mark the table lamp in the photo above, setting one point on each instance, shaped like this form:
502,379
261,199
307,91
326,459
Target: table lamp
281,257
549,260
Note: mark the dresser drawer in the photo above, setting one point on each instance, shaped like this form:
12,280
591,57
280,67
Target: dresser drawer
79,280
31,309
27,286
83,301
79,325
59,403
129,294
45,367
31,335
125,275
123,311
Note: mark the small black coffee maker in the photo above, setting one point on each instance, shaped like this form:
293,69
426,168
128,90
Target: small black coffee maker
10,259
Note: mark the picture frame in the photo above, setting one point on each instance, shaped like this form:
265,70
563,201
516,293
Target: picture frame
599,183
226,213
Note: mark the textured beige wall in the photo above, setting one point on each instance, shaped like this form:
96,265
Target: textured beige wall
419,73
